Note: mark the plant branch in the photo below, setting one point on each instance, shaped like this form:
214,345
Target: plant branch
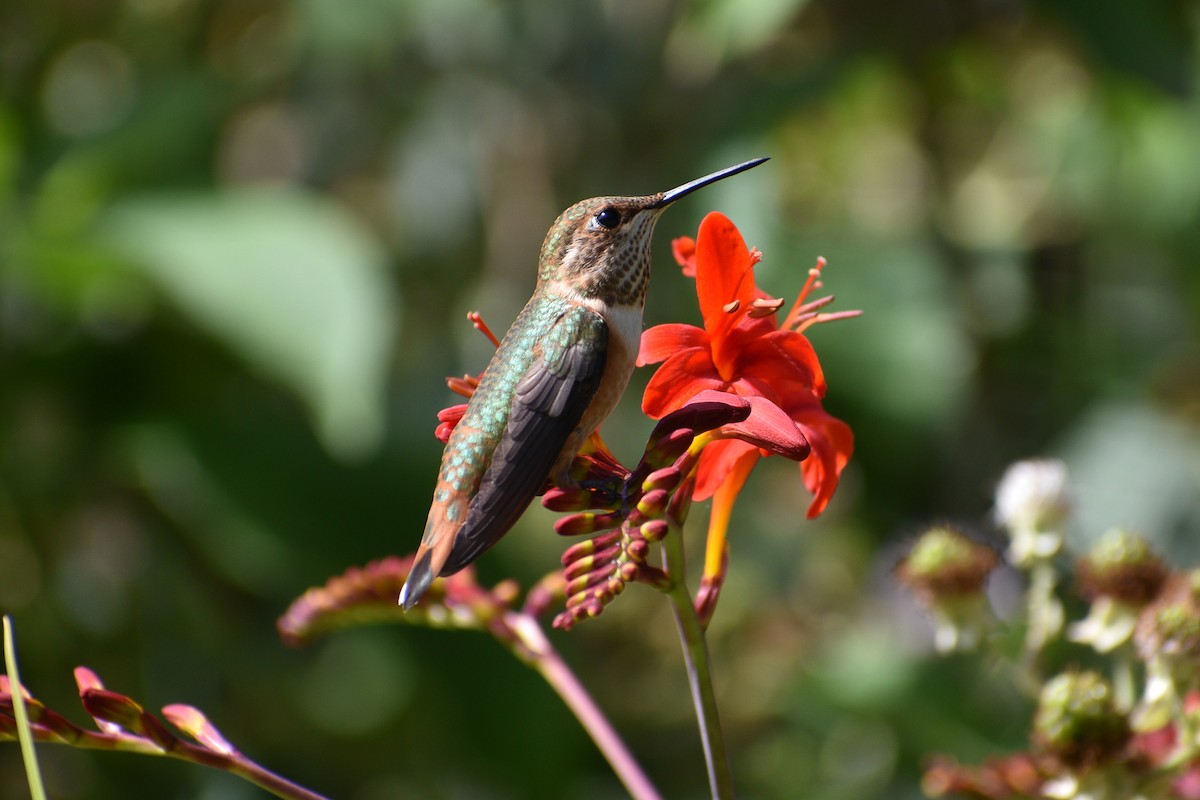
540,654
271,782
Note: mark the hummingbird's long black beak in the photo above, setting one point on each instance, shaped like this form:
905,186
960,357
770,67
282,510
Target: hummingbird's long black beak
672,195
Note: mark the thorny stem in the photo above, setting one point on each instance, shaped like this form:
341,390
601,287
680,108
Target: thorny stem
695,656
542,656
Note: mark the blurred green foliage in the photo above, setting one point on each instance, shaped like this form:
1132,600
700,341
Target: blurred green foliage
237,242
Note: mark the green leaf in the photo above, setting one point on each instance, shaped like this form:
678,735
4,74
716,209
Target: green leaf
287,280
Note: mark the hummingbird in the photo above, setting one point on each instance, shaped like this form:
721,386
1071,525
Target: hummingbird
557,374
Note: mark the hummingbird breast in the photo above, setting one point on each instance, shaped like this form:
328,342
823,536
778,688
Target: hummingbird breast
624,321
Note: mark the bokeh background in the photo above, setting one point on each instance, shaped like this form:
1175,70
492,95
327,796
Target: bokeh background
238,239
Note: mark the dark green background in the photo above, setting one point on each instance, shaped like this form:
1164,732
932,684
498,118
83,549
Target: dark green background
237,242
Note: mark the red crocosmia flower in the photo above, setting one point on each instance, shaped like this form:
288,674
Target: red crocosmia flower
744,350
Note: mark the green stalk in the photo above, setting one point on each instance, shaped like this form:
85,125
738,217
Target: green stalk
36,790
1044,618
695,657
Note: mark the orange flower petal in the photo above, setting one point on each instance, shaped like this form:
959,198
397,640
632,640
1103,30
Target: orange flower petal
832,444
662,341
684,250
724,273
785,360
769,427
717,461
681,377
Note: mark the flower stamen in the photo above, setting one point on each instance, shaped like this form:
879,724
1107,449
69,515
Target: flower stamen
763,307
465,386
807,321
477,321
755,257
813,282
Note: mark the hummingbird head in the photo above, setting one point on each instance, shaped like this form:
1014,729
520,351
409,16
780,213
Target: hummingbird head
600,247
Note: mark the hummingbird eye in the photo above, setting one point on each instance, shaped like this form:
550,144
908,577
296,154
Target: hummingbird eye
609,218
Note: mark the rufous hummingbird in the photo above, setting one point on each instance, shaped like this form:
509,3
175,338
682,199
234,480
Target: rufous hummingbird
557,374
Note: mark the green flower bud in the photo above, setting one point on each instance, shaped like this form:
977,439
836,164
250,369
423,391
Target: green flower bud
1077,720
947,571
1123,566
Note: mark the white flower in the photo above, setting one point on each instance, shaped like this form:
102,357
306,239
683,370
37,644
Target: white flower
1033,502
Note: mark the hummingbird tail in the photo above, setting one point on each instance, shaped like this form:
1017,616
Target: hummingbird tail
430,559
419,578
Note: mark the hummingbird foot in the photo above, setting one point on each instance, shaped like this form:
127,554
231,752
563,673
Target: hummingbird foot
419,579
610,488
605,486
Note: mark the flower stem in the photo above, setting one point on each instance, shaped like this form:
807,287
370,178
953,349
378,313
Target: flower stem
695,656
28,754
1045,617
275,784
233,763
1124,687
540,654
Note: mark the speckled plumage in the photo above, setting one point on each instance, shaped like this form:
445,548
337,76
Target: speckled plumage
557,374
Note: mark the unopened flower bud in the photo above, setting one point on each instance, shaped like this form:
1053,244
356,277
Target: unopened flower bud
655,530
1173,631
558,499
506,592
653,503
582,566
666,478
1168,630
638,550
664,450
585,581
1120,575
585,523
944,561
1077,720
590,547
947,571
1123,566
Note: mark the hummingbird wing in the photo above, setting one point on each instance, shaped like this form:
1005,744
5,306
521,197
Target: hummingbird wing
547,407
548,401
